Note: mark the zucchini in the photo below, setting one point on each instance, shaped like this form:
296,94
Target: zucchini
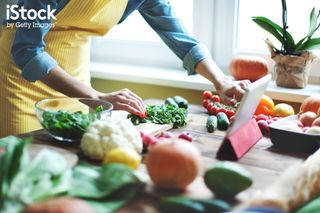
212,123
215,205
182,103
223,121
180,204
170,101
227,179
312,206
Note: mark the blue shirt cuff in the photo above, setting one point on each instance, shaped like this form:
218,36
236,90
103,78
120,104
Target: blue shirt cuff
38,67
194,56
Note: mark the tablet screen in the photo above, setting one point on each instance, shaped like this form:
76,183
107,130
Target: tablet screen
249,103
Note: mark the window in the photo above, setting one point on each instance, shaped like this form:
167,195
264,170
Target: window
134,42
245,37
224,26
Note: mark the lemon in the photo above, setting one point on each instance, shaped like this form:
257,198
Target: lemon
123,155
282,110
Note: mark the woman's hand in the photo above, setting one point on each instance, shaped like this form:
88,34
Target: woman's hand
125,100
231,91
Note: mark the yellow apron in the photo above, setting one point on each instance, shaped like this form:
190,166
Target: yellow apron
68,43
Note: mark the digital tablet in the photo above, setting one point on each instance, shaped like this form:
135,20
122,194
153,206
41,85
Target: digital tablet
249,103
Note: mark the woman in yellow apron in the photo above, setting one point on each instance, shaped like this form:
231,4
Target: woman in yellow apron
48,54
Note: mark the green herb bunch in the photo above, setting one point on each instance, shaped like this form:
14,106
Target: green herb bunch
289,46
162,114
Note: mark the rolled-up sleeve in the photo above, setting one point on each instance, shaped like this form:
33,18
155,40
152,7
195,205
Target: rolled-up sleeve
28,45
161,17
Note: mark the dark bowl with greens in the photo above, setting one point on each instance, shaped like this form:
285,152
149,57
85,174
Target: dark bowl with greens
67,119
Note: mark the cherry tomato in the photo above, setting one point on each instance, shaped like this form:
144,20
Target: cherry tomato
222,110
207,94
213,110
230,113
143,115
205,103
209,106
215,98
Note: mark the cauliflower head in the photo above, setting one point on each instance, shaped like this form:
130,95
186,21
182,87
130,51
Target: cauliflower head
104,135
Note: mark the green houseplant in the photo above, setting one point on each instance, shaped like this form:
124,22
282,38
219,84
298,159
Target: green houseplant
293,59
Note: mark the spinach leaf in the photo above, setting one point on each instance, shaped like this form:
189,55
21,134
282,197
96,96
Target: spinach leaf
14,159
162,114
105,188
98,182
69,125
23,181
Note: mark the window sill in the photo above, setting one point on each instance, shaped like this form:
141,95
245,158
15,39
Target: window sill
179,79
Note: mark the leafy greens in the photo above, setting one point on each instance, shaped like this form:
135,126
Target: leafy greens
24,181
162,114
69,125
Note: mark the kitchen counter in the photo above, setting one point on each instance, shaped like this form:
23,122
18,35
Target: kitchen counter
263,161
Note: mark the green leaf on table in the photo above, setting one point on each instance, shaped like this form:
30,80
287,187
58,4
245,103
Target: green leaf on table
47,175
116,201
12,161
99,182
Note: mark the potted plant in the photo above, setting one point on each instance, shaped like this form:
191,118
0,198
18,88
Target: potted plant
293,60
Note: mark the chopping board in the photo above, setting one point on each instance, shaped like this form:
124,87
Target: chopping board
147,128
34,149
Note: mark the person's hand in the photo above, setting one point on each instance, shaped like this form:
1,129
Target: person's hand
125,100
231,91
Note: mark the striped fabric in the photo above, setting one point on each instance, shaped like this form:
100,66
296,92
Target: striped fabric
69,43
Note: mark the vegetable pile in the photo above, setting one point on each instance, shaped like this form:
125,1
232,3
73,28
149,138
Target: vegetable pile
104,135
162,114
220,114
25,181
212,104
69,125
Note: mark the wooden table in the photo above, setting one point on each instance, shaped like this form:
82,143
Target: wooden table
263,161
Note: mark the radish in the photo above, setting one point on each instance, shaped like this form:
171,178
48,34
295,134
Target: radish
185,136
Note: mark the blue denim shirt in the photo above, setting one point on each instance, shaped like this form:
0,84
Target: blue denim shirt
28,46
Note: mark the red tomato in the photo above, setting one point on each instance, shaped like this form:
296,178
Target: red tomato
222,110
213,110
205,103
207,94
209,106
230,113
215,98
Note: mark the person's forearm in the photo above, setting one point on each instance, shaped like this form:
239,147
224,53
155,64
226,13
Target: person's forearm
208,69
64,83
